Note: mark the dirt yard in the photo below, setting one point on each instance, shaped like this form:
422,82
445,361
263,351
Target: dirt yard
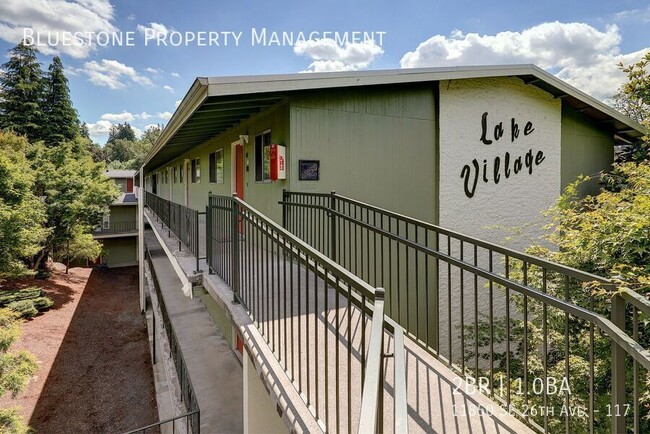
95,371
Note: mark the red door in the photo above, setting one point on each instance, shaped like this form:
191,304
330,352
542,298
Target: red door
239,174
129,185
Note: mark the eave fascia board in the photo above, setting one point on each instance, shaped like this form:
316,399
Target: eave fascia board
191,102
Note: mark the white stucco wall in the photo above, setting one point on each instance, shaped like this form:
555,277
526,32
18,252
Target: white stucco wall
513,202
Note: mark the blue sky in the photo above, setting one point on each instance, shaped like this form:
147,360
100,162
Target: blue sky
579,41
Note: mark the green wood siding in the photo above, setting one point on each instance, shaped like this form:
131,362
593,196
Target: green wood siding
119,252
374,144
124,213
587,148
263,196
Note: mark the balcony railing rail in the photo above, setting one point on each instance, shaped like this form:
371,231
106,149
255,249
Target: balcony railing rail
322,323
117,227
176,425
180,220
187,390
517,325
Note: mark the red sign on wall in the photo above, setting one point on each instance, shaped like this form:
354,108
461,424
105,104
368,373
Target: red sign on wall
278,162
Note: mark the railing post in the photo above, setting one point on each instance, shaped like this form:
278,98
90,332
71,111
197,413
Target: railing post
333,226
285,196
235,249
618,369
196,241
208,234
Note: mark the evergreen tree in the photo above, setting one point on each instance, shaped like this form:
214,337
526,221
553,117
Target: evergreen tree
61,121
84,131
21,91
121,131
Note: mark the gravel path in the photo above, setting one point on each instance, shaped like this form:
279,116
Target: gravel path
95,371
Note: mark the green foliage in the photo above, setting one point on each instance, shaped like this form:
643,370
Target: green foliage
11,422
26,302
121,131
61,121
22,213
123,153
22,89
8,296
24,308
15,368
42,303
9,329
607,235
633,99
76,192
81,246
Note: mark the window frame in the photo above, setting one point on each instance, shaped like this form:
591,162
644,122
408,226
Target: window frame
259,153
213,167
196,170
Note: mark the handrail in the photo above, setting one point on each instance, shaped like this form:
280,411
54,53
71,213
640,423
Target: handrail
171,420
553,266
245,219
340,271
636,299
362,238
631,347
187,390
371,401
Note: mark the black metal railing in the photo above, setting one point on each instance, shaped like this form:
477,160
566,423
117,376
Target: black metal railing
180,220
117,227
179,424
315,316
186,389
518,326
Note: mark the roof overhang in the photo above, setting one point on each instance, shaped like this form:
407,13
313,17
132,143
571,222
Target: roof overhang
214,105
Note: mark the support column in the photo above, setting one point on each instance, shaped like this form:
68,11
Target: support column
140,194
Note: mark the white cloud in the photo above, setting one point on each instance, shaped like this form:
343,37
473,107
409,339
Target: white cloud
99,128
153,31
131,17
164,115
56,18
177,103
118,117
113,74
175,75
169,88
153,70
327,55
125,116
146,127
576,52
638,15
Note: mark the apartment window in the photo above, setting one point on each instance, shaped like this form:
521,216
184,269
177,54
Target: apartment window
263,156
106,221
196,170
180,173
216,166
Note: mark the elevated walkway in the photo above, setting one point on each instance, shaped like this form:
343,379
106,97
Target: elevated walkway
214,371
438,401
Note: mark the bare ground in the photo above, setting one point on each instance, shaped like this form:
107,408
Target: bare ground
94,372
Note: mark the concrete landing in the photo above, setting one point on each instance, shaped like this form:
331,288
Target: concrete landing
214,370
